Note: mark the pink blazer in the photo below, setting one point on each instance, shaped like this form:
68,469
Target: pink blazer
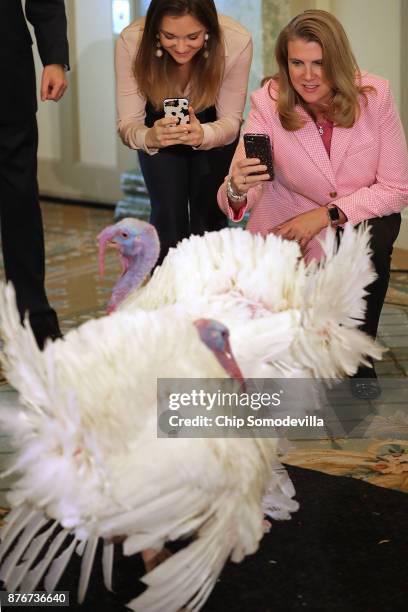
366,174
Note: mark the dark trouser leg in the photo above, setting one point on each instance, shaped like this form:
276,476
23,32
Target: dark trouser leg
21,225
206,176
384,233
166,178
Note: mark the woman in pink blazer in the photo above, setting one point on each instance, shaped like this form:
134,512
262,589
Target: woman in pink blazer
339,154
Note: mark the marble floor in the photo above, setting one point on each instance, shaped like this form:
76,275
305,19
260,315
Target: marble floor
78,293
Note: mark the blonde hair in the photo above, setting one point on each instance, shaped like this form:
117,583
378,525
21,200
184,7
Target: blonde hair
339,64
154,74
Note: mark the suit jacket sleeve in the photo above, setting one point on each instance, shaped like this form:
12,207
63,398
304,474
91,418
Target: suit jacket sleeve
389,193
50,25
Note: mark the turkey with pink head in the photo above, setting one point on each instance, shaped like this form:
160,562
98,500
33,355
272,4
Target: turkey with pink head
89,465
286,318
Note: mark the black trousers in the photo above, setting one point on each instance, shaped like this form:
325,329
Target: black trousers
182,185
21,225
384,232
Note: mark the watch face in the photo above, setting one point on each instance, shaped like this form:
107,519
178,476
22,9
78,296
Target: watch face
334,213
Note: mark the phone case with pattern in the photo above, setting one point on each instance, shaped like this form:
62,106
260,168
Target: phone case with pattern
259,146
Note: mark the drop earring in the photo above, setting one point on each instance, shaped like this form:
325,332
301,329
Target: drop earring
159,50
206,53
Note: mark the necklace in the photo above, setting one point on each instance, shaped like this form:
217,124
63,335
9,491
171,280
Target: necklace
320,128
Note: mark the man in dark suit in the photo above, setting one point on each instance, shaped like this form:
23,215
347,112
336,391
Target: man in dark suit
20,214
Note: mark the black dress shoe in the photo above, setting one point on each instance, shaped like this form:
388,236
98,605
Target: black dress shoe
45,326
365,388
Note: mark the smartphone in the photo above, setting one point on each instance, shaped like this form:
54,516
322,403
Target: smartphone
259,146
178,109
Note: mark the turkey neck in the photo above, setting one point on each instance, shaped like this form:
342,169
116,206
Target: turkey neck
132,278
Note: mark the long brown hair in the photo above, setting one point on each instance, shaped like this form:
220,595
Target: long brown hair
154,75
339,64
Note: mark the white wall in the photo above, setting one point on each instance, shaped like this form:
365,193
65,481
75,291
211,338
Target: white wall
249,14
94,51
373,27
375,31
80,154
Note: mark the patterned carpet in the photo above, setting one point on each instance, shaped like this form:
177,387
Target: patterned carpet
398,290
378,460
77,293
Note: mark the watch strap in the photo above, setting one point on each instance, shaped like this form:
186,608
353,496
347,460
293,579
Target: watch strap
333,214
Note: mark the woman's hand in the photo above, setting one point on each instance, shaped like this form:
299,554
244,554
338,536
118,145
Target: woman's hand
165,134
304,227
241,176
195,134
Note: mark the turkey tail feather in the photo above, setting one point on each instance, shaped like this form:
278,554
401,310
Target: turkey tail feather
188,577
23,362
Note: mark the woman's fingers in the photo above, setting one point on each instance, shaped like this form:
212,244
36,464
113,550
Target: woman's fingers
192,115
169,141
167,126
253,178
248,173
252,169
166,122
248,162
167,133
173,130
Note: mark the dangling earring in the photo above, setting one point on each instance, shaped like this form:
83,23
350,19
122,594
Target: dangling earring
206,53
159,50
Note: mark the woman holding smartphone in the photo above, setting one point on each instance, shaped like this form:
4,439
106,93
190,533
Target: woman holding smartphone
183,49
339,155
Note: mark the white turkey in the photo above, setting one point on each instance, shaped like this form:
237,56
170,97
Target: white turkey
88,457
104,428
256,286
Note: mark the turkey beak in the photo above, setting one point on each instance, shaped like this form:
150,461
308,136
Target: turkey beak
228,362
103,239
